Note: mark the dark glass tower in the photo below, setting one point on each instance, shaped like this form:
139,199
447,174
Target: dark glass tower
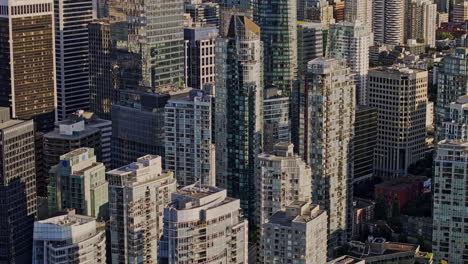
239,109
18,204
277,20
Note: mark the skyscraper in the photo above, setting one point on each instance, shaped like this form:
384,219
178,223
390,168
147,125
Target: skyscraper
327,142
319,11
281,178
203,225
452,82
351,41
27,64
455,124
17,188
150,34
359,10
338,10
137,126
277,20
239,109
296,234
72,50
309,44
78,182
101,77
276,119
65,138
91,120
70,237
365,140
388,21
450,177
189,142
421,21
460,11
400,97
200,55
138,194
203,13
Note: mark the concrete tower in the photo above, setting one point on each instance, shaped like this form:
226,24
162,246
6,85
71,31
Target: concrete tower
327,142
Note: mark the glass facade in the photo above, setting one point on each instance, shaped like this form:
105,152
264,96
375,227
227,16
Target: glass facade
28,87
151,35
277,20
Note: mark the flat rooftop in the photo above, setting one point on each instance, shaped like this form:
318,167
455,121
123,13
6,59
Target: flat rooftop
68,220
75,152
198,191
76,135
11,122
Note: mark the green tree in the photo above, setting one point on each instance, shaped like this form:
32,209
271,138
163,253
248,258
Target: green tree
444,35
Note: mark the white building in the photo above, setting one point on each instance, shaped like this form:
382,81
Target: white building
455,125
72,49
351,41
327,142
400,96
450,228
282,178
430,114
138,194
203,225
297,234
388,21
190,150
359,10
421,21
69,238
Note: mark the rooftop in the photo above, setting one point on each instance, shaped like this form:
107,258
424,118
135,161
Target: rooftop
75,153
69,219
76,134
297,211
10,123
457,143
198,191
346,260
362,203
396,69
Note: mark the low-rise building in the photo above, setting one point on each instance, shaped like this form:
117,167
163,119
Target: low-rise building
401,190
379,251
363,212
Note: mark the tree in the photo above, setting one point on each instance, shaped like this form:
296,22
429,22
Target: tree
444,35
